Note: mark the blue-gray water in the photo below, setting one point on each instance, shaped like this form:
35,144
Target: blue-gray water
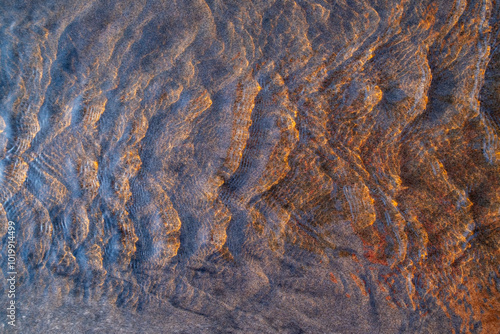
250,166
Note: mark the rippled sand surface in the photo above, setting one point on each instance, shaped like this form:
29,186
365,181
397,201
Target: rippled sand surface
225,166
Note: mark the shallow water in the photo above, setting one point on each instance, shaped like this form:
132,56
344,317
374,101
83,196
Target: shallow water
250,166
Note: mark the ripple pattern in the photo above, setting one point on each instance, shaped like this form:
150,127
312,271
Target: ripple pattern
274,166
